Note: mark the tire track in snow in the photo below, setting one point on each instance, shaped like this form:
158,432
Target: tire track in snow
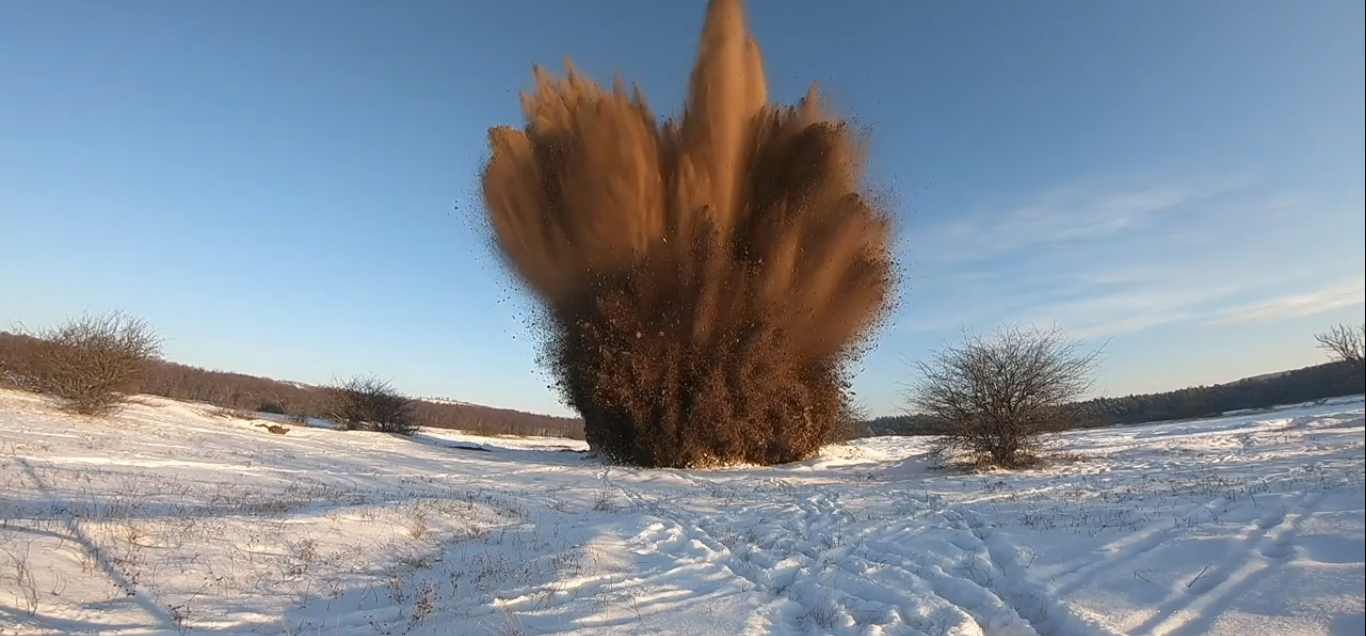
827,573
1133,547
1046,615
1192,608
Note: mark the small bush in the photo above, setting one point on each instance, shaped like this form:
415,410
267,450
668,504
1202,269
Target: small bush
368,403
1346,343
90,363
995,398
232,413
851,424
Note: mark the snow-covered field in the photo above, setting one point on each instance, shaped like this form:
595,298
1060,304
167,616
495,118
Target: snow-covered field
169,520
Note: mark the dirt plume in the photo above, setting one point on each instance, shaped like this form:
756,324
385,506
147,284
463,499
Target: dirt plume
706,281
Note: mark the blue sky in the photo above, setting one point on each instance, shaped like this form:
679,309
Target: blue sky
285,189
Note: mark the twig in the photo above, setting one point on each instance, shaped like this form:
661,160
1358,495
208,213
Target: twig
1199,576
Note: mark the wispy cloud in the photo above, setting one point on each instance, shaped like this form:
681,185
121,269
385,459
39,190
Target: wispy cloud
1059,216
1332,297
1115,259
1098,304
1115,310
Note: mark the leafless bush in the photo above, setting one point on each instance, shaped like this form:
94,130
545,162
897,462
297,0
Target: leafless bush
369,403
232,413
91,363
997,397
851,424
1345,343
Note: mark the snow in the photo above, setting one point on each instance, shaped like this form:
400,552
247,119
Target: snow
169,519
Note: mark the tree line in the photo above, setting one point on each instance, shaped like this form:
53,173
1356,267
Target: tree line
32,357
1329,380
991,399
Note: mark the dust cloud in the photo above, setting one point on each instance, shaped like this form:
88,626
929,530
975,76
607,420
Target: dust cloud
706,281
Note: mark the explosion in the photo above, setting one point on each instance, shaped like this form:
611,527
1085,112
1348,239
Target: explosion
706,281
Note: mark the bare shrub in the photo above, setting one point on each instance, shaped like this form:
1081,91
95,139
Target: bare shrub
91,363
996,397
19,354
369,403
1345,343
705,282
851,424
232,413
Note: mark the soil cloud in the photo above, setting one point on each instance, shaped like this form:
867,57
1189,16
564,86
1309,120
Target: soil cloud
706,281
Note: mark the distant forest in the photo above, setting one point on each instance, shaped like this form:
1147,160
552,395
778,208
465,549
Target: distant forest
243,392
1334,379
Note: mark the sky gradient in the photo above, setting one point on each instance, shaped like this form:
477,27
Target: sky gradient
289,189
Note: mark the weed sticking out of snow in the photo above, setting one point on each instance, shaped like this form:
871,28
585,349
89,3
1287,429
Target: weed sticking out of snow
167,519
